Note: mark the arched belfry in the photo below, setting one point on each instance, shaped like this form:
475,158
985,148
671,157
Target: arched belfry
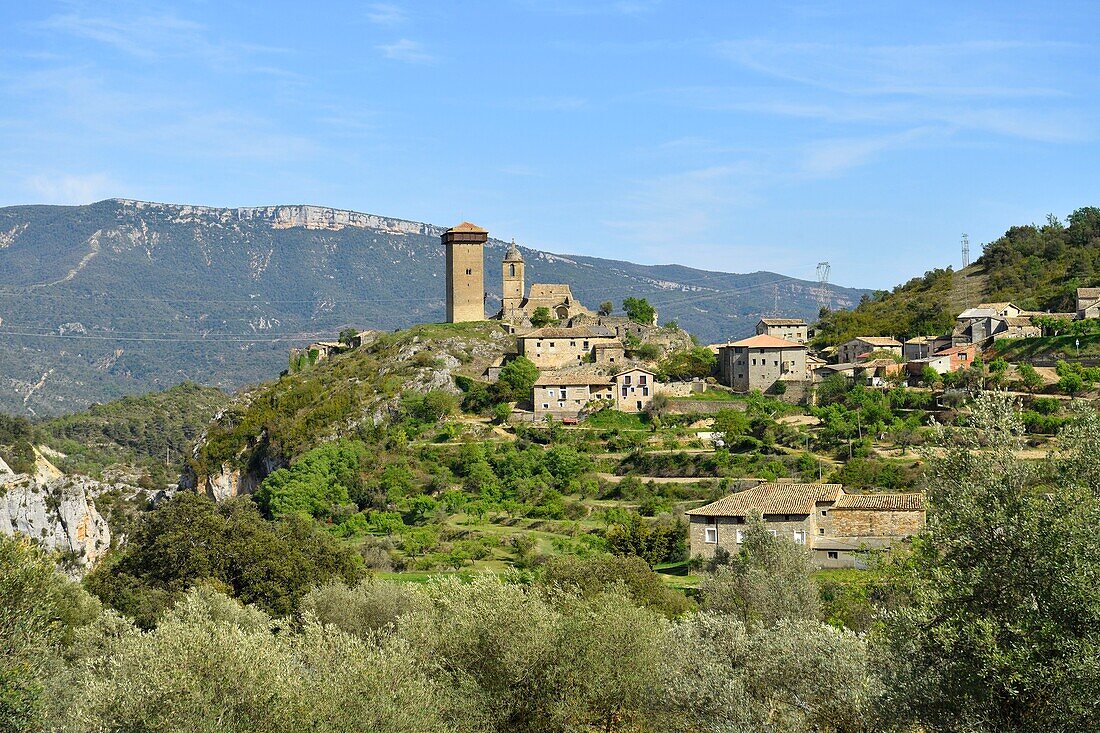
513,282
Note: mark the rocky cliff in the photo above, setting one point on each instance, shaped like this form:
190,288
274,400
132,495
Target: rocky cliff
58,512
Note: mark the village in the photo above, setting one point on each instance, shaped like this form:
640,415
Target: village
590,361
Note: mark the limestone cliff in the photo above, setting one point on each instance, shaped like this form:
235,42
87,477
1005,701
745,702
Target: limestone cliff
59,513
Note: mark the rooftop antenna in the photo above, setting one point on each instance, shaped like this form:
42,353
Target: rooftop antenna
966,263
823,271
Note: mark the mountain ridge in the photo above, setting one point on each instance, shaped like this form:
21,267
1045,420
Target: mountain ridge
125,296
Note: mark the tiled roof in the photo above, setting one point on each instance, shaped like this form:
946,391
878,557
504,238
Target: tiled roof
764,341
997,306
1019,321
978,313
771,499
604,345
878,340
468,227
783,321
887,502
631,370
921,339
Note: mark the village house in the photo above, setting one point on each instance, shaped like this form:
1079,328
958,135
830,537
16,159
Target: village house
554,347
789,329
850,351
920,347
838,528
608,353
565,396
758,362
634,389
1003,310
989,322
872,372
1088,303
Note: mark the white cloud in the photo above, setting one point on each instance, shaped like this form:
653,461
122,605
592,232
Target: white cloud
386,14
413,52
830,157
71,188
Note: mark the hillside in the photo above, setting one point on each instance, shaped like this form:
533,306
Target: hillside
1037,267
124,297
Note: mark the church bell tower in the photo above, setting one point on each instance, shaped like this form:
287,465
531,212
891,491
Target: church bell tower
465,245
513,282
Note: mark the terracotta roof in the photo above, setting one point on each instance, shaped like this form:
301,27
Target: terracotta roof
886,502
1019,321
763,341
921,339
771,499
878,340
998,306
570,380
605,345
468,227
783,321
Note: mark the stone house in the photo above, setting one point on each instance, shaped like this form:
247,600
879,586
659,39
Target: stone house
960,357
566,395
850,351
608,353
758,362
940,363
1088,303
554,347
1003,310
789,329
832,524
634,389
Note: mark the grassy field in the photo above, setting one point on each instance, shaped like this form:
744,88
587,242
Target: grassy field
1048,347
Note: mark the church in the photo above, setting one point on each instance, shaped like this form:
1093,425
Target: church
465,250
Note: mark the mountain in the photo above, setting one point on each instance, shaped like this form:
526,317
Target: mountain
122,297
1037,267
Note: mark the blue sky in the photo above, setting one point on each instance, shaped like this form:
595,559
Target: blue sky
724,135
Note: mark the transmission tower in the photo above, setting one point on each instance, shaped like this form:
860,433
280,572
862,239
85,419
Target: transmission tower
775,305
823,270
966,263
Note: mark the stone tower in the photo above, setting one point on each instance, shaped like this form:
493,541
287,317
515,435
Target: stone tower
465,245
513,282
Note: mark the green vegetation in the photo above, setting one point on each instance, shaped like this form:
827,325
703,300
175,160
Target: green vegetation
541,317
640,311
1035,267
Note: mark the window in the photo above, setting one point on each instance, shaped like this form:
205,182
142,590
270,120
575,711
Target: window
551,344
833,555
563,394
773,532
754,362
824,512
511,270
626,379
740,536
545,406
800,536
641,379
710,535
645,391
573,343
821,530
469,271
626,391
586,346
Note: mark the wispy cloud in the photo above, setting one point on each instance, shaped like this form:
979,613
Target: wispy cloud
153,37
386,14
833,156
70,188
412,52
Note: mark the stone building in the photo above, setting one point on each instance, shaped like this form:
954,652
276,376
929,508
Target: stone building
789,329
553,347
850,351
760,361
564,395
634,389
465,246
518,304
609,353
837,527
1088,303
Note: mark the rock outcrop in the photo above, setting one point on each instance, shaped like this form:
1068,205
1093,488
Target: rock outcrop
59,513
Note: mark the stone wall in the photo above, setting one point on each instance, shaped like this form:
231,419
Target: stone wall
876,522
704,407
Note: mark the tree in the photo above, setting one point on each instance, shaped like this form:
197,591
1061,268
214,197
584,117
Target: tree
695,363
654,541
767,581
541,317
606,308
191,540
1071,383
1029,377
517,379
318,482
347,336
640,311
930,377
1001,627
